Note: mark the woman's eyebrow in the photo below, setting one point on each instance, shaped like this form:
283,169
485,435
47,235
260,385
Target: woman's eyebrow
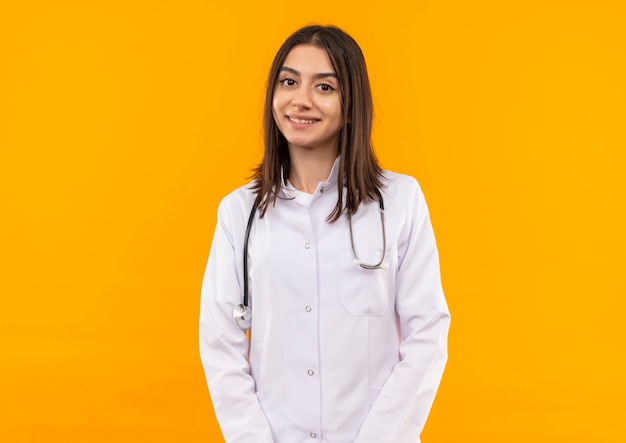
316,76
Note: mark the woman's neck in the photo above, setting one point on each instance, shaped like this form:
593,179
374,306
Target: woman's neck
310,168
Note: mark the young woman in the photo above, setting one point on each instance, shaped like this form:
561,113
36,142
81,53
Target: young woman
342,298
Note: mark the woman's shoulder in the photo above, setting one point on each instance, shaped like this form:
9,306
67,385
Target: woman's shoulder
403,192
239,200
395,181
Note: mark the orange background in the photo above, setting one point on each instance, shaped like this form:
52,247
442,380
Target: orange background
123,123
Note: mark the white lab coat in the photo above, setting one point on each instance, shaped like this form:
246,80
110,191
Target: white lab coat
337,353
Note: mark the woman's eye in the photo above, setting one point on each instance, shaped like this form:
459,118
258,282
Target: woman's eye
288,82
326,87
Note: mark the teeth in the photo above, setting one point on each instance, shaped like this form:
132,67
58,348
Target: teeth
304,122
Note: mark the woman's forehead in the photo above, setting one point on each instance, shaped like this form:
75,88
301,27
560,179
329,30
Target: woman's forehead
308,59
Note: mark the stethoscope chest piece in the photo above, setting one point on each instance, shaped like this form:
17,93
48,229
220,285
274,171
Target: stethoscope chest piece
242,316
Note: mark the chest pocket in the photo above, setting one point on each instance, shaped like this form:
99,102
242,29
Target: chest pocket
365,292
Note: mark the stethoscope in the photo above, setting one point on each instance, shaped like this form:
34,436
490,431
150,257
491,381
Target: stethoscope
242,313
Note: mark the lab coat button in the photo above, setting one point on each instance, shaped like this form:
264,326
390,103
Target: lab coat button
307,245
307,309
310,372
313,434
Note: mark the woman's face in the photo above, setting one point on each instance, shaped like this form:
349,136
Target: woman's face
307,100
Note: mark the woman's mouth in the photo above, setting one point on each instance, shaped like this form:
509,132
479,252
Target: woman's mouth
301,121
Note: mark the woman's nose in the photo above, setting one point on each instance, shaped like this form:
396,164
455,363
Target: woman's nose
302,98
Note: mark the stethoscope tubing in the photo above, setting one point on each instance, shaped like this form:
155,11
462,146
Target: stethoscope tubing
245,255
242,313
381,207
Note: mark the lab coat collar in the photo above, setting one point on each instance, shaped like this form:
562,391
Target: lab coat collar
289,191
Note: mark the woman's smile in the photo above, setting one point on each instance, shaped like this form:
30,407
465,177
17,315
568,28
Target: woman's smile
302,121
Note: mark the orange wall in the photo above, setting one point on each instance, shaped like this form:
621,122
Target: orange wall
122,124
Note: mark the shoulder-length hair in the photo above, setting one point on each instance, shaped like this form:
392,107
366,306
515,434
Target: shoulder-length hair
359,170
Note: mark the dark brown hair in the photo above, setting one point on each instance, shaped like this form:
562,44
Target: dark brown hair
359,170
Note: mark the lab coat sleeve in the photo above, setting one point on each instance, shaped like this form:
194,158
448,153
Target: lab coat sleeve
223,345
400,411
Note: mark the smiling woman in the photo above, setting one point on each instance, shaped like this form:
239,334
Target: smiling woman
339,349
